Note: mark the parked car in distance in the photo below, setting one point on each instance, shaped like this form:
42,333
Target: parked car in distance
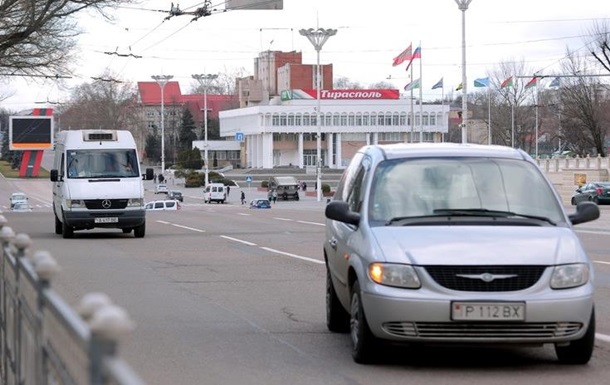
598,192
161,189
167,204
22,207
176,195
260,204
456,244
286,187
18,197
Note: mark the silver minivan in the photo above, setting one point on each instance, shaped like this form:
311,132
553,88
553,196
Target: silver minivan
456,244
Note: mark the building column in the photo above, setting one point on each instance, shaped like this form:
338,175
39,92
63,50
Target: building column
375,138
368,138
267,150
339,153
329,150
300,149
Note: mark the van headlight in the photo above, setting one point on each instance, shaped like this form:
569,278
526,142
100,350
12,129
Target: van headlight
75,203
135,202
568,276
396,275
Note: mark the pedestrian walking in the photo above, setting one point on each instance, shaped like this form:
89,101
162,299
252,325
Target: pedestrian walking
228,190
274,196
243,197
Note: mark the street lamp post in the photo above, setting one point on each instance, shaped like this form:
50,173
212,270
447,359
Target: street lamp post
317,37
463,6
205,80
162,81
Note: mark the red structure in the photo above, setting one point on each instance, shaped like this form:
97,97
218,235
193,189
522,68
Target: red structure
31,159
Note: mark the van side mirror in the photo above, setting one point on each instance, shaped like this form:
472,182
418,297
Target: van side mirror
54,175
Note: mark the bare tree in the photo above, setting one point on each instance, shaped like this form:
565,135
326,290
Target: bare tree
224,84
344,83
107,104
584,107
599,45
38,37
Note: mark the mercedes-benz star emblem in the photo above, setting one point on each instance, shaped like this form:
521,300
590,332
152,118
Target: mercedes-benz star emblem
106,203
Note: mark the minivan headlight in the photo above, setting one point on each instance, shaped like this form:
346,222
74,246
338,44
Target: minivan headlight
568,276
394,275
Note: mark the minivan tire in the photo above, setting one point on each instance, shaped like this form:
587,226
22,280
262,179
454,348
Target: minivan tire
337,318
364,343
578,352
140,231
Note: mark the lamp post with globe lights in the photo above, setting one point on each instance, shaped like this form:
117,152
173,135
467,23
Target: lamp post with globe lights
162,81
205,80
463,6
317,37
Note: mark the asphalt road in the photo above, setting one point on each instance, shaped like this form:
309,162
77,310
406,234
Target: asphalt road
222,294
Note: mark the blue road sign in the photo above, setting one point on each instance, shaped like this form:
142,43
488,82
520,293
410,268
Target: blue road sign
248,179
239,136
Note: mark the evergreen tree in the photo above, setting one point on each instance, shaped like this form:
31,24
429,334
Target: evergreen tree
187,135
153,148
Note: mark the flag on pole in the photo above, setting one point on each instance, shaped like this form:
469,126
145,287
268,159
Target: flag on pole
533,81
413,85
555,83
459,87
507,83
482,82
416,55
438,84
404,56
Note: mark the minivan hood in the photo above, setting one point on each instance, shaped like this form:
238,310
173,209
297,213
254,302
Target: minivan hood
489,245
111,188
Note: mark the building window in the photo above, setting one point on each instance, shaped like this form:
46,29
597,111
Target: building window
365,120
351,121
275,120
336,119
380,120
306,120
403,119
291,120
373,119
297,120
395,120
388,119
344,119
433,119
425,119
283,120
233,155
359,119
389,137
329,119
428,137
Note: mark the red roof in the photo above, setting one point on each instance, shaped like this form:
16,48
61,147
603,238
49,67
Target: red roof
150,93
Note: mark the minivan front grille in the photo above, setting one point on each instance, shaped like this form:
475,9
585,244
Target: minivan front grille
105,204
504,331
486,278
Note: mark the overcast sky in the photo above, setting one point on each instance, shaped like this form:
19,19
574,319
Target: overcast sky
370,34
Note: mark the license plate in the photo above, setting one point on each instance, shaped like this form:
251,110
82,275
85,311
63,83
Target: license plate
488,311
106,220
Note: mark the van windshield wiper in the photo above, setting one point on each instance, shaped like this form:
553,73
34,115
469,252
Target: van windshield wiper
490,213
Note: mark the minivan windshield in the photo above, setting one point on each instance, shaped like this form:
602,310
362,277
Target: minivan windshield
91,163
405,188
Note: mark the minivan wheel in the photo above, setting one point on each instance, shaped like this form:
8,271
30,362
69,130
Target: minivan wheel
337,318
364,343
578,352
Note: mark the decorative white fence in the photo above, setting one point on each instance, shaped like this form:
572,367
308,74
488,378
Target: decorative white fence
559,164
43,341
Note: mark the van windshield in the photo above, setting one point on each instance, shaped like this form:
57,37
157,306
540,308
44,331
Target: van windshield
116,163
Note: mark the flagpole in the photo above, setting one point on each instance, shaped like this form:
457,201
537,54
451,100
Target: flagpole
443,104
421,99
489,113
536,130
412,116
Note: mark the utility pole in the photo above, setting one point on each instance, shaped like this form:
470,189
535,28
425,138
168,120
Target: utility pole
162,81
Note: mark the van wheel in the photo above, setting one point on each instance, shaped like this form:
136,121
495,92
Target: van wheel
58,225
140,231
579,352
67,231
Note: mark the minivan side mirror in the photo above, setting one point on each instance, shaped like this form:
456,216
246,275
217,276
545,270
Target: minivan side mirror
585,212
340,211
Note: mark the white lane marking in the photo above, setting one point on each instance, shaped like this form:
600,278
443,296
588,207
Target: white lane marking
238,240
602,262
312,223
602,337
182,227
284,219
244,214
593,232
293,255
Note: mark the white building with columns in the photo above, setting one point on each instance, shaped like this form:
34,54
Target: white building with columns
283,133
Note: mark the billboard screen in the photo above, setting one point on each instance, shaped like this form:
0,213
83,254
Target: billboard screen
30,132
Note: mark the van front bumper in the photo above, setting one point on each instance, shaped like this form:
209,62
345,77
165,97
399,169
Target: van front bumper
89,219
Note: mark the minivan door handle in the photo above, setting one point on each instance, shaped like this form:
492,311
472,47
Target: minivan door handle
333,243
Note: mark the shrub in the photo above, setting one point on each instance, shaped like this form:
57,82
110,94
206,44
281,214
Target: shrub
325,188
193,180
265,184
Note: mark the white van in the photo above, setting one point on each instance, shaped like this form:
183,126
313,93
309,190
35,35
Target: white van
97,182
215,192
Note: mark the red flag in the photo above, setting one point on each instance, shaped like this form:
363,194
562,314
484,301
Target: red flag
416,55
404,56
531,83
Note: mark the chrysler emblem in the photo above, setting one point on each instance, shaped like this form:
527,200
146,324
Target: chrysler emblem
106,203
487,277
